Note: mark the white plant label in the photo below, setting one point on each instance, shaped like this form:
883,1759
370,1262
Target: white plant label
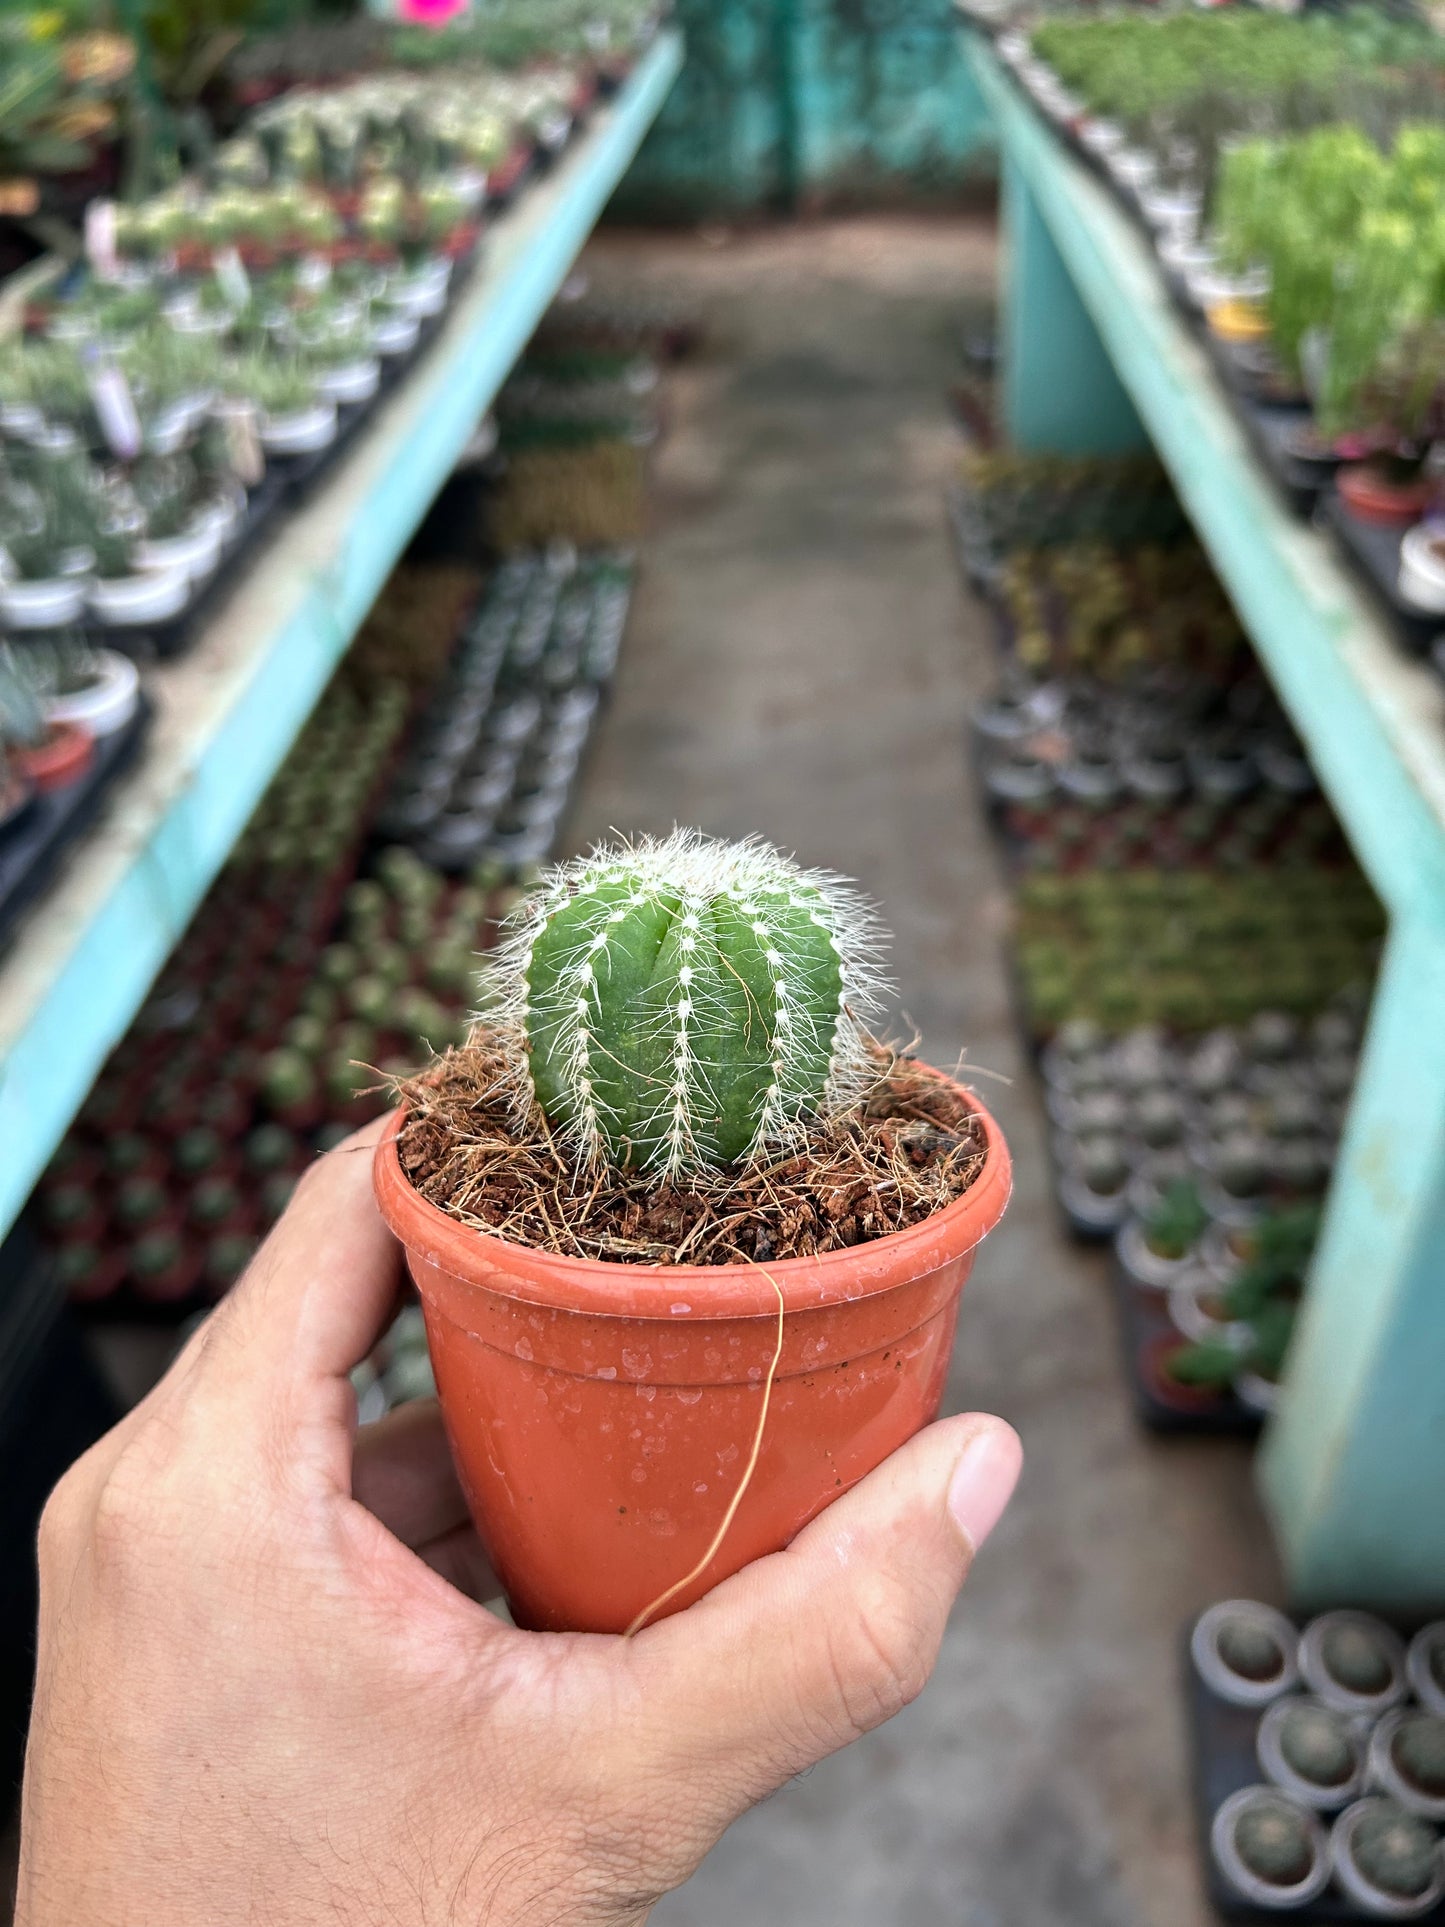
115,409
235,283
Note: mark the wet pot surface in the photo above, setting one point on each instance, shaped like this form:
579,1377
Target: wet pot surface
603,1416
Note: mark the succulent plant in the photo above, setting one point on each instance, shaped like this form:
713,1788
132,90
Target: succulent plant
1249,1648
1273,1840
1418,1751
1316,1742
1177,1221
1353,1656
1394,1851
681,1003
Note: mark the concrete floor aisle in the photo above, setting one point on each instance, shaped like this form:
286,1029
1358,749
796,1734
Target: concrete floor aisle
799,663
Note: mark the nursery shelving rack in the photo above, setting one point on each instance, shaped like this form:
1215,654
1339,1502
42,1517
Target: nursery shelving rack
1097,360
85,959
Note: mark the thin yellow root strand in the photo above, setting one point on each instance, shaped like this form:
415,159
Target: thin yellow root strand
681,1585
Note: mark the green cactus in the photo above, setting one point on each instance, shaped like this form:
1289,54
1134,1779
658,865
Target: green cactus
678,1003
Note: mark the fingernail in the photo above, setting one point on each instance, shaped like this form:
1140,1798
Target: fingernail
984,1479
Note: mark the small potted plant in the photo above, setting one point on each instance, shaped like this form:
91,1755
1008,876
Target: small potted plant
1407,1761
1270,1848
1387,1859
1160,1250
665,1021
1353,1661
1093,1185
96,689
293,419
1244,1652
1311,1751
46,755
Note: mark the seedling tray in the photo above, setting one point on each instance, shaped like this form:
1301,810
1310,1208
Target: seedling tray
1142,1317
1222,1760
31,848
1373,549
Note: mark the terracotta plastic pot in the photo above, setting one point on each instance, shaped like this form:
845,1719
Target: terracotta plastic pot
602,1416
1368,492
60,759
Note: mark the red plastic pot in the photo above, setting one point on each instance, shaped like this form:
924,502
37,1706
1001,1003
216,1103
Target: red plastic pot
602,1416
1191,1401
1367,492
60,759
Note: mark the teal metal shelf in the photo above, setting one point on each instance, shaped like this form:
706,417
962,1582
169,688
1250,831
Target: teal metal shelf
1096,358
229,712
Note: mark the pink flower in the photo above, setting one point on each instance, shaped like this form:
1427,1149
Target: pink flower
430,13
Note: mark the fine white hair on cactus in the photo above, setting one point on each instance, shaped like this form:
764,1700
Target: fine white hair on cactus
678,1003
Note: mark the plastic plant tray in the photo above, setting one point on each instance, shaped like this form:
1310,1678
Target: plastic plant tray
35,843
1373,549
1222,1760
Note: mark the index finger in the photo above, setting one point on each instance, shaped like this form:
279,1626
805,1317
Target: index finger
323,1286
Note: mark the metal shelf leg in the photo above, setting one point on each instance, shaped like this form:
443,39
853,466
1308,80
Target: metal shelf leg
1353,1465
1060,391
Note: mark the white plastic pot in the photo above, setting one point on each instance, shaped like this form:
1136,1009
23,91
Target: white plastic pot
352,381
21,419
196,551
131,601
47,604
1422,567
301,432
1144,1268
222,513
1182,256
1102,136
1172,211
1209,287
199,321
424,290
1424,1648
1270,1753
1132,167
1196,1321
1244,1881
1387,1777
1221,1679
396,333
1378,1904
108,704
1325,1686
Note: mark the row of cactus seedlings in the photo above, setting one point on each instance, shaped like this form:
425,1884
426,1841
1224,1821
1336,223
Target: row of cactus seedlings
184,1153
498,748
1339,1787
1192,941
1190,949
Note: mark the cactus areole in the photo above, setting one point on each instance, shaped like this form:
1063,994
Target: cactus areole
679,1004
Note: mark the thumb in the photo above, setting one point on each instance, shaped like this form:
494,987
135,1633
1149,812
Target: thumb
802,1652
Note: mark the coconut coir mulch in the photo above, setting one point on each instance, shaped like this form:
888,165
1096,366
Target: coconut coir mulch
907,1149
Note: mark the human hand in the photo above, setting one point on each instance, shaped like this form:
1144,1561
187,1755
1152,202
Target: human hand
266,1691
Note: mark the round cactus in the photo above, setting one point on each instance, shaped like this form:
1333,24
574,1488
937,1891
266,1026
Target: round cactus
678,1004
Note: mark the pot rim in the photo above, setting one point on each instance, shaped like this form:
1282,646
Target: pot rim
606,1288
